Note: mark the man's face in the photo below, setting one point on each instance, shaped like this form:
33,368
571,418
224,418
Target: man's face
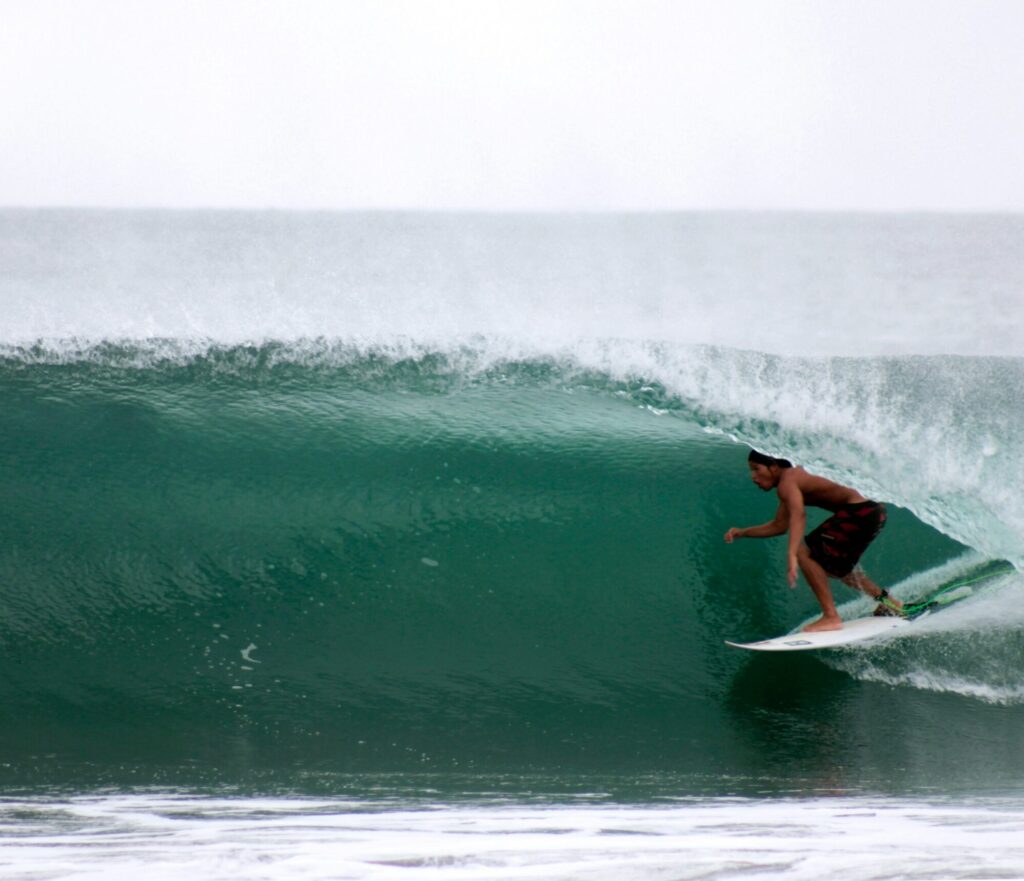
765,476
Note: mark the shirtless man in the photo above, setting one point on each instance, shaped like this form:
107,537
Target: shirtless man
831,550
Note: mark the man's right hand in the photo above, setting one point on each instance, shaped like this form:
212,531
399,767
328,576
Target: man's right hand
733,533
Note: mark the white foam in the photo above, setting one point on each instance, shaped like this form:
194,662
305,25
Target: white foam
944,683
123,838
966,649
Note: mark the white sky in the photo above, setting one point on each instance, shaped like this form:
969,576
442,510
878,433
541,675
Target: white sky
513,105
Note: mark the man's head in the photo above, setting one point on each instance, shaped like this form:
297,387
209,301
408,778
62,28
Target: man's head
765,471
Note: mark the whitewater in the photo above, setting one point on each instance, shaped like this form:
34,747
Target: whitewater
379,545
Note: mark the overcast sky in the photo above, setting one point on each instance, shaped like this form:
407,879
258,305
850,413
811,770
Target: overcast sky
514,105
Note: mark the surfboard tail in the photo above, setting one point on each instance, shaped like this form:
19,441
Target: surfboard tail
916,610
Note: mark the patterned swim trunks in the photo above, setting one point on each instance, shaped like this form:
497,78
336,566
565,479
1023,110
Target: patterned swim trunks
837,545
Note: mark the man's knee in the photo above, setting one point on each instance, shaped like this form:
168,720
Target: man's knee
805,560
855,579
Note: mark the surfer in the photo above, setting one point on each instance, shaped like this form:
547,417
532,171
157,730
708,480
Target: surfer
834,548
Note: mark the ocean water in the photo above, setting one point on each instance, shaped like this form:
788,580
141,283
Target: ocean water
389,545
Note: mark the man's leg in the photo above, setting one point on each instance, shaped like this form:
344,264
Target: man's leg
818,580
858,580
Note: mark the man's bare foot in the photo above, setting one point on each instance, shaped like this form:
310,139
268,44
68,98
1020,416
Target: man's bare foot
833,622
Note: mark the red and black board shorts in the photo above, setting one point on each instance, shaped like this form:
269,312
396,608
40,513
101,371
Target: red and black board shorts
837,545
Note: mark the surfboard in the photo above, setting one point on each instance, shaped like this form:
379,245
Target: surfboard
862,629
858,630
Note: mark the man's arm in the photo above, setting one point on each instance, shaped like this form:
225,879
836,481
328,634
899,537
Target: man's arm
793,498
777,526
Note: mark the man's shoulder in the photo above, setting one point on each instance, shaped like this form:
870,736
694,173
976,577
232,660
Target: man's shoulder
794,476
790,482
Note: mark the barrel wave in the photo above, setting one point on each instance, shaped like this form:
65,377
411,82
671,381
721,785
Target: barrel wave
288,497
374,560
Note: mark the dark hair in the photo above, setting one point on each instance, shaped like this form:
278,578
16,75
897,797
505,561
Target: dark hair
762,459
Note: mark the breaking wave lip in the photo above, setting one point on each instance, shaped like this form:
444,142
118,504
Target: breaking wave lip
939,435
156,352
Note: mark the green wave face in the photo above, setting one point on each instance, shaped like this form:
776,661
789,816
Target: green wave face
246,560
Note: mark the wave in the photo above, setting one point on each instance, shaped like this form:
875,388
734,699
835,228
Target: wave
457,501
940,435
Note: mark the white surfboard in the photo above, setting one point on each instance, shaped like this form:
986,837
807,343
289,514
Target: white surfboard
858,630
862,629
